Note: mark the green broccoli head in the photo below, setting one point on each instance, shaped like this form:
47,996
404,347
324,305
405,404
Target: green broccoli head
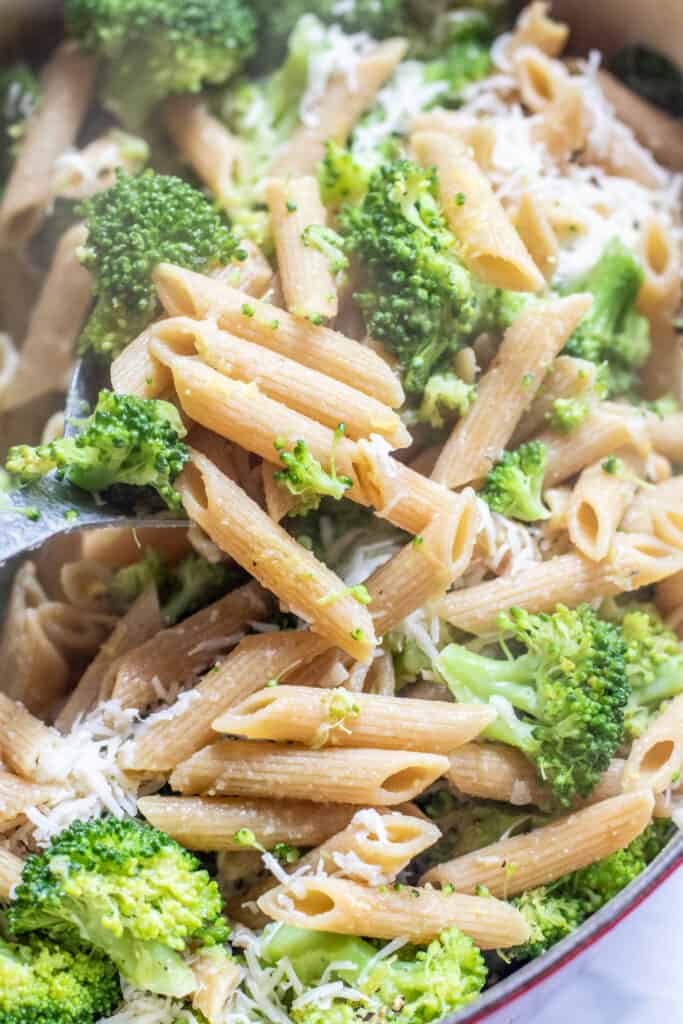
514,486
567,414
128,890
304,477
157,47
551,917
561,702
342,177
19,93
613,332
42,982
134,225
446,397
126,440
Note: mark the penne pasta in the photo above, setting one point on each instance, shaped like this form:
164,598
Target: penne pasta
537,234
204,143
666,435
243,768
605,430
512,865
217,977
23,738
656,758
16,795
534,27
597,505
567,378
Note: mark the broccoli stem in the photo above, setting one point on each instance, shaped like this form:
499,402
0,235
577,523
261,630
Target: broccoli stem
310,953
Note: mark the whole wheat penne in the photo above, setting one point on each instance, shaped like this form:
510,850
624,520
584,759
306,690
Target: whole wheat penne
244,768
663,371
17,794
279,501
567,378
420,915
322,398
537,234
203,142
174,737
337,718
242,529
477,134
66,87
597,505
667,435
184,293
23,738
10,873
85,584
535,28
341,105
180,653
604,431
508,386
523,862
82,173
658,510
201,823
308,283
656,757
490,245
115,546
660,293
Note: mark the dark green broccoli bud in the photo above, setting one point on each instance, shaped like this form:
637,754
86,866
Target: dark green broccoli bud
130,891
127,440
343,178
193,583
329,243
157,47
567,414
445,399
554,911
304,477
514,486
613,332
45,983
561,702
19,92
136,224
651,75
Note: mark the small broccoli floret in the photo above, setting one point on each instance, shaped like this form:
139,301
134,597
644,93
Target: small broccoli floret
561,702
304,477
45,983
129,582
157,47
329,243
514,486
193,583
343,178
446,397
567,414
551,917
126,440
613,332
132,226
19,92
462,41
130,891
419,984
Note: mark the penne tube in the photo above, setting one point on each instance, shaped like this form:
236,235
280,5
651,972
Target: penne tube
345,100
243,530
490,246
85,584
667,435
203,142
478,135
537,234
23,738
10,873
597,505
604,431
66,88
184,293
16,795
660,293
279,501
116,546
308,283
200,823
567,378
419,915
338,718
244,768
508,386
663,371
177,655
510,866
382,677
307,391
656,758
174,737
535,28
658,510
82,173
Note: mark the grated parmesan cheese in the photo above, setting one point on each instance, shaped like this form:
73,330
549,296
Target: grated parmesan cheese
398,104
335,54
143,1008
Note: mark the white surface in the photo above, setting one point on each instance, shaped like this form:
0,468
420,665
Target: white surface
631,976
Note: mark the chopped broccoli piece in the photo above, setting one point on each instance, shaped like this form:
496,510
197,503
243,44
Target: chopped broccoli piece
129,890
126,440
329,243
418,984
343,178
613,332
129,582
554,911
650,75
667,405
567,414
157,47
19,92
514,486
446,397
461,42
193,583
136,224
304,477
45,983
561,702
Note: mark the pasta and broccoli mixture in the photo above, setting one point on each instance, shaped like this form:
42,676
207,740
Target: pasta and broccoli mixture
385,298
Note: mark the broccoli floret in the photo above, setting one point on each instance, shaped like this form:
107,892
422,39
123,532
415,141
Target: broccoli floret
193,583
343,178
126,440
19,92
554,911
132,226
463,53
514,486
130,891
418,984
567,414
329,243
613,332
446,397
561,702
304,477
129,582
45,983
157,47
